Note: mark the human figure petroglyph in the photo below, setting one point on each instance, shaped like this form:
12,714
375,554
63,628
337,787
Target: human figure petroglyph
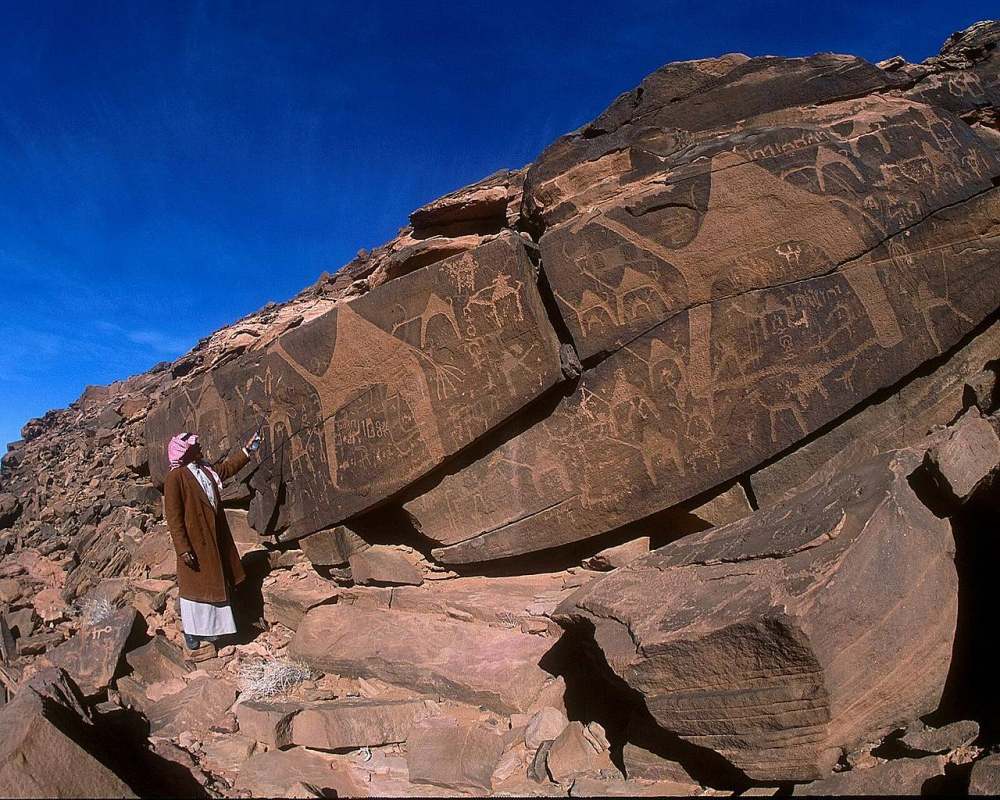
462,271
790,251
495,296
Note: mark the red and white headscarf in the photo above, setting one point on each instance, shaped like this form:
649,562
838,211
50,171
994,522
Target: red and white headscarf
178,446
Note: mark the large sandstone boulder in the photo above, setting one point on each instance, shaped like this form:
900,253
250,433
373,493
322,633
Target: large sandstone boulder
45,736
93,656
374,394
723,383
780,640
744,293
454,754
471,663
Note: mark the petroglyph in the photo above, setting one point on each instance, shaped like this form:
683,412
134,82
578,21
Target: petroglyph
374,394
792,205
718,388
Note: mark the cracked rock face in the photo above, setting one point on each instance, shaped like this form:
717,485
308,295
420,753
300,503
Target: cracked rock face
779,640
730,257
372,395
716,389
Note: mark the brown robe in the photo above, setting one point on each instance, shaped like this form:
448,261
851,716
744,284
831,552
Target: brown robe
196,527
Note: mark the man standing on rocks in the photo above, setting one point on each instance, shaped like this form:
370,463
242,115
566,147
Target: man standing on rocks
208,564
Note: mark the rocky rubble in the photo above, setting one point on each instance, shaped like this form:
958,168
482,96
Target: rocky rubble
664,465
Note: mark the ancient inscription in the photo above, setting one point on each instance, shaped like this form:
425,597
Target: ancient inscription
369,397
718,388
762,207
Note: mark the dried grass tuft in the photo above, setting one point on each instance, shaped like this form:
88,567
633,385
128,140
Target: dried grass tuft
98,611
269,677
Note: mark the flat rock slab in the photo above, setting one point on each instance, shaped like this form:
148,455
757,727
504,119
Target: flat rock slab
92,655
351,723
503,602
157,660
290,596
273,773
384,565
781,200
267,722
717,389
617,787
903,776
332,547
375,393
460,661
786,638
42,735
195,708
456,755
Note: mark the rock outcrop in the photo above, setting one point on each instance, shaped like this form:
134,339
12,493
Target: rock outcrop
44,735
474,663
666,464
772,642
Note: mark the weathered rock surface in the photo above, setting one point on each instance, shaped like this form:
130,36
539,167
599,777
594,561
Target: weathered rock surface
904,776
817,616
10,508
92,656
932,741
616,787
266,722
446,752
357,723
900,420
44,736
642,436
544,726
157,660
288,600
332,547
273,773
198,706
383,565
967,456
462,661
985,776
374,394
576,752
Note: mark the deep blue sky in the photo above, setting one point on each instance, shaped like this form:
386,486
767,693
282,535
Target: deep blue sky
166,167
